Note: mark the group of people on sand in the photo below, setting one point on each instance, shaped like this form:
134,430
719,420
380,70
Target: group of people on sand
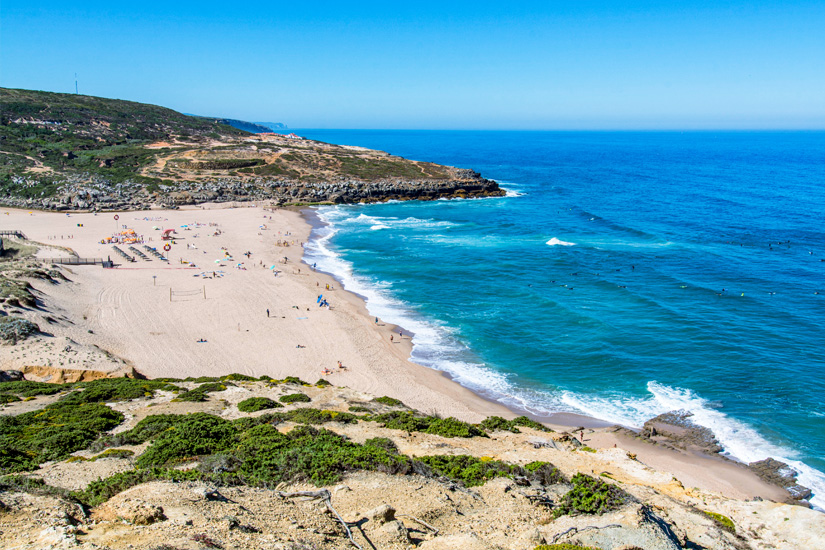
341,368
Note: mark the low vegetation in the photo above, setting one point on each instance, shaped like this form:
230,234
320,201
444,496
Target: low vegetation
722,521
590,496
110,390
391,401
248,451
410,422
199,394
473,471
16,329
295,398
254,404
53,433
496,423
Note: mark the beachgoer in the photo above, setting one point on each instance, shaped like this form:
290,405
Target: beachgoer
267,312
391,337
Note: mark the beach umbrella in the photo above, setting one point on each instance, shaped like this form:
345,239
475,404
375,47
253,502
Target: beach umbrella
272,267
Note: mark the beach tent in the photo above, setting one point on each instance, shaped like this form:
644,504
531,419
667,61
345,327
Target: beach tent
167,234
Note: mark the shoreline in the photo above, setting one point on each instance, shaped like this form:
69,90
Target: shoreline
132,315
683,462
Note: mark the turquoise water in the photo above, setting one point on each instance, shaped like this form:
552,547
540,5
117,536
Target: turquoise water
624,275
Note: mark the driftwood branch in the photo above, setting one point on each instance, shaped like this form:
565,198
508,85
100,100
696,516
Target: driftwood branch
324,495
575,530
422,522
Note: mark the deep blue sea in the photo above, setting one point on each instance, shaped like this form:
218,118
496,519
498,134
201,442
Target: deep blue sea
626,274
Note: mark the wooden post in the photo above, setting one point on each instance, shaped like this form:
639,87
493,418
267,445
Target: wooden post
204,292
170,293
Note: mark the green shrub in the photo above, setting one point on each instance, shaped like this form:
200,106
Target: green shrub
31,485
8,398
527,423
317,416
321,383
391,401
109,453
586,449
590,496
16,329
26,388
295,398
201,379
722,521
496,423
446,427
114,453
303,415
545,473
196,434
383,443
199,394
359,409
109,390
53,433
98,492
235,377
148,428
288,380
469,470
308,454
257,404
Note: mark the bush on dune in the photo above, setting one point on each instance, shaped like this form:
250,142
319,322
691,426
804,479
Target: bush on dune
254,404
53,433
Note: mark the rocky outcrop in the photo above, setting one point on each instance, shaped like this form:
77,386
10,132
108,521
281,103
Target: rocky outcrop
779,473
93,193
676,429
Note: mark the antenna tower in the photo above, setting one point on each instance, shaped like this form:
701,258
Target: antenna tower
75,83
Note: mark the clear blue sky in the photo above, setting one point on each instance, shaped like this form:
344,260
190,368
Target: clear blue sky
478,65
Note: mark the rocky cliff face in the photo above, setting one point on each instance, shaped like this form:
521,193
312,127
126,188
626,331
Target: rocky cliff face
100,195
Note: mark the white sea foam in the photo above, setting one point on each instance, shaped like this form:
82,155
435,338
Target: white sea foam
739,440
554,242
511,191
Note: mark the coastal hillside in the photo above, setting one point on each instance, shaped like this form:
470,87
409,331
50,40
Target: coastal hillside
73,152
250,127
240,462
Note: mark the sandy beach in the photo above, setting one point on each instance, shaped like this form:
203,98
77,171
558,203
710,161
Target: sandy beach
213,310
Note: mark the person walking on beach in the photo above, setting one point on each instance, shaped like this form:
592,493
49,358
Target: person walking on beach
267,313
391,337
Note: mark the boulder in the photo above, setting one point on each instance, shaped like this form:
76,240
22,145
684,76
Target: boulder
382,514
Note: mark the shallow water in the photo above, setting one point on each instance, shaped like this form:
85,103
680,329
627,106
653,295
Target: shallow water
624,275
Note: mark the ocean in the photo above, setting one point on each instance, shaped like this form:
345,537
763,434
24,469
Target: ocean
624,275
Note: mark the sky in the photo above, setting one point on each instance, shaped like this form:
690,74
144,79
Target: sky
553,64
